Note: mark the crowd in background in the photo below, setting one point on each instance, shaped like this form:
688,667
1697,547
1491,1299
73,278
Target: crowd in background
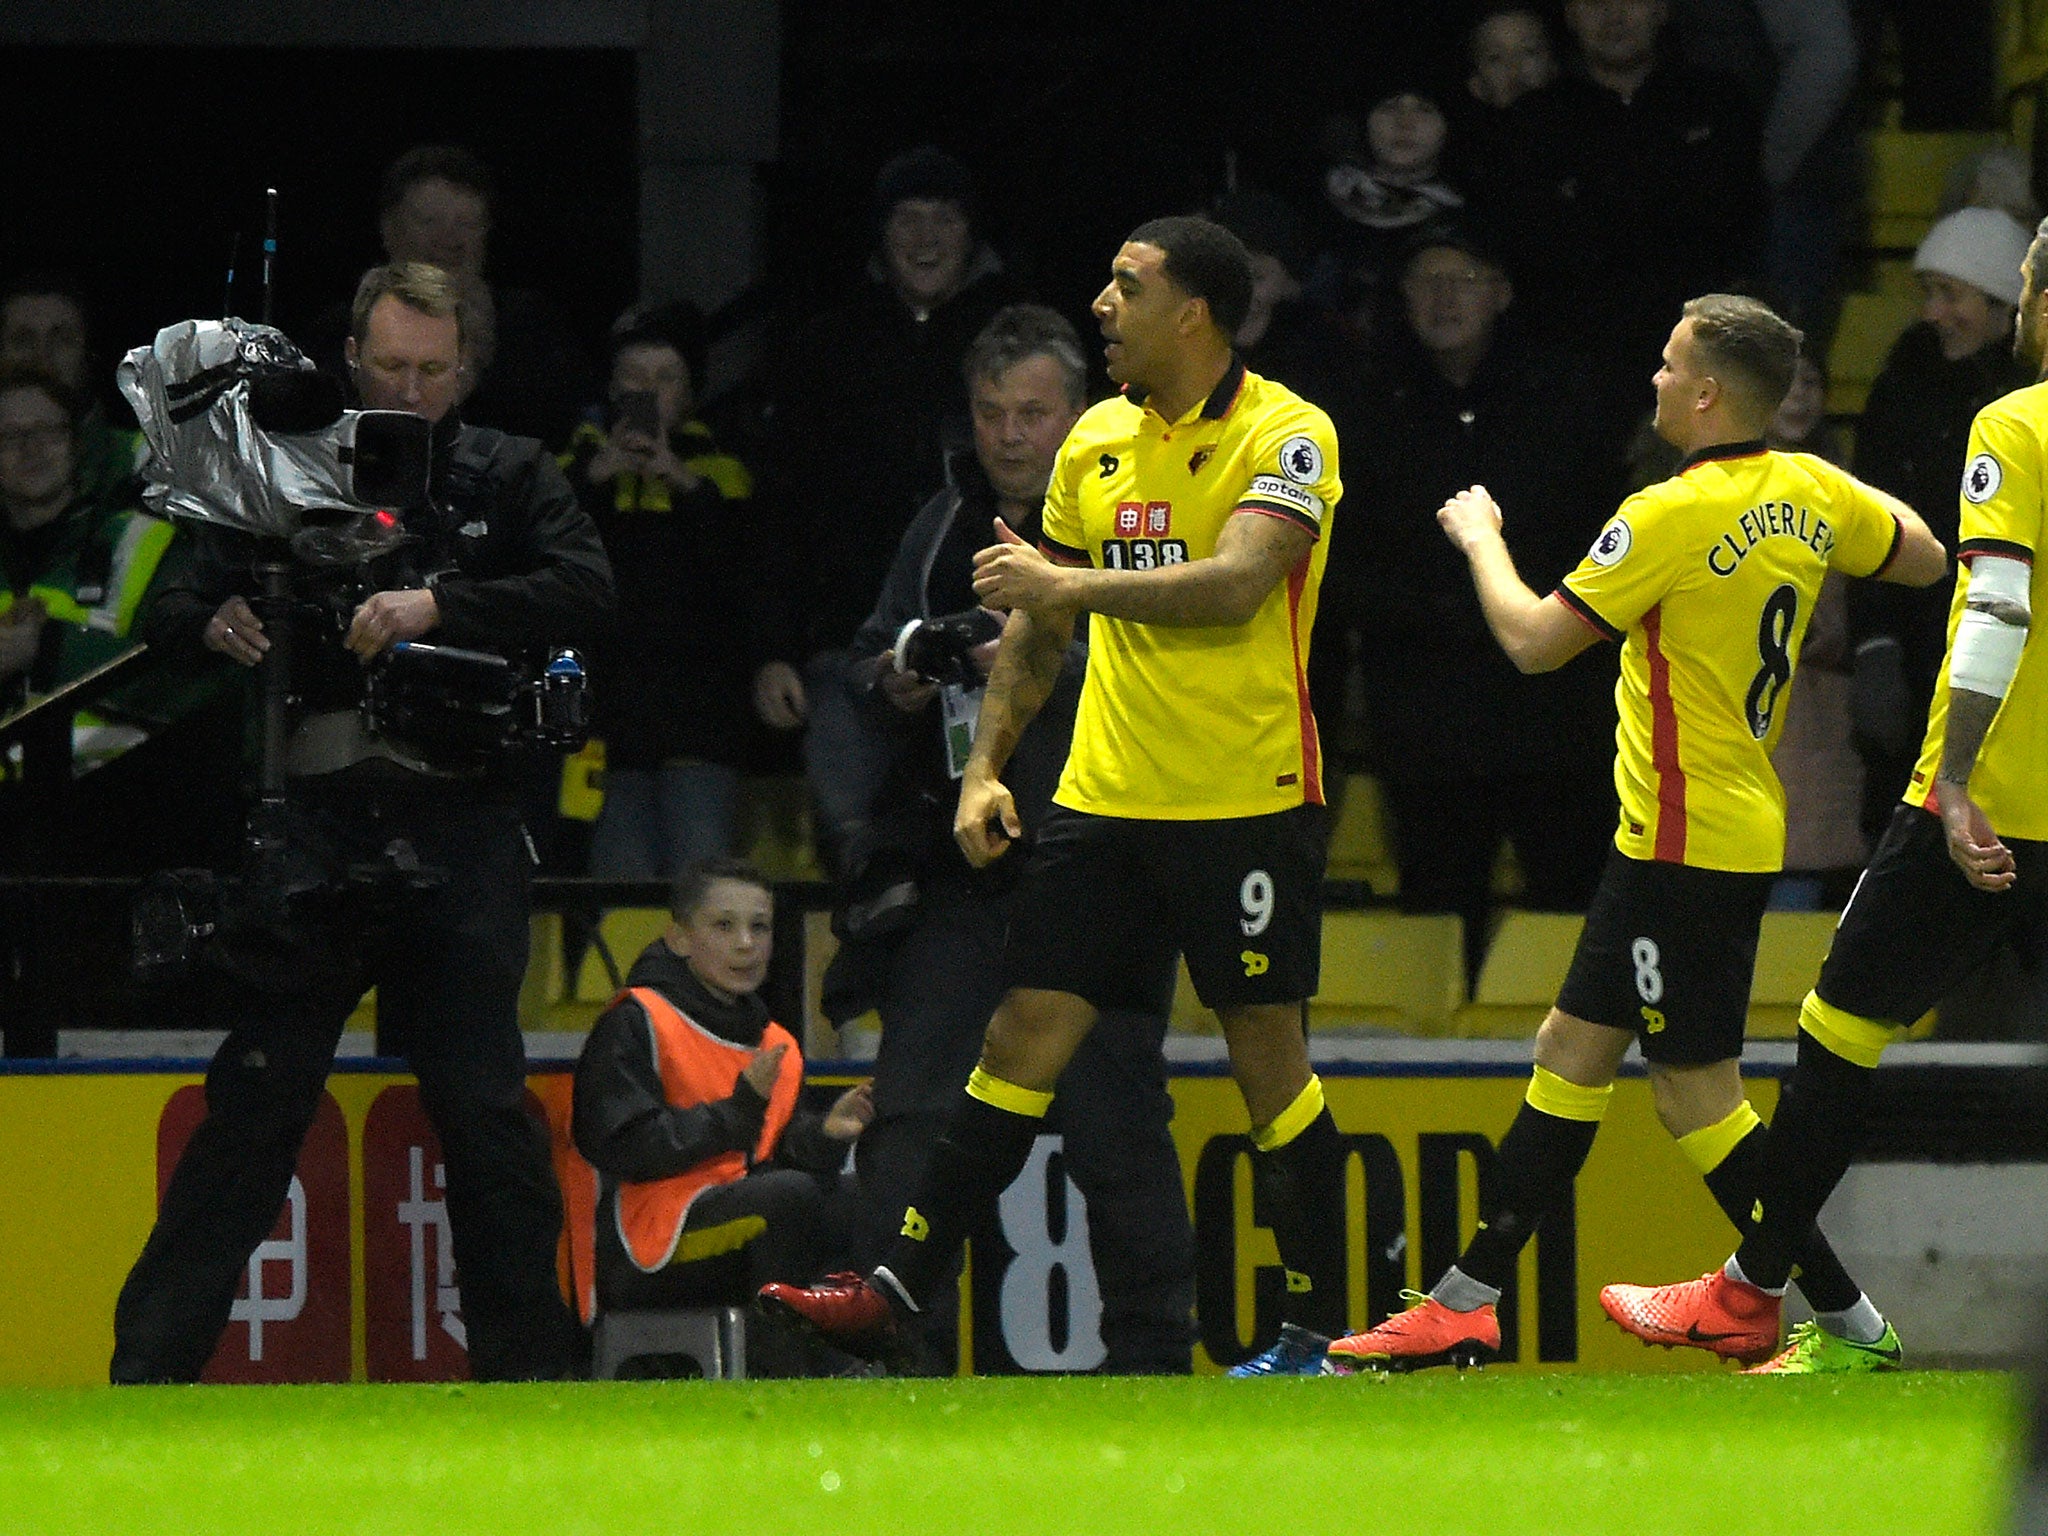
1472,274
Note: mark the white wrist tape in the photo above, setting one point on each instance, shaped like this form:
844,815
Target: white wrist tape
1987,648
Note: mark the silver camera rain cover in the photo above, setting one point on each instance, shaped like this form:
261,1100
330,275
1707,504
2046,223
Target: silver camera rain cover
211,461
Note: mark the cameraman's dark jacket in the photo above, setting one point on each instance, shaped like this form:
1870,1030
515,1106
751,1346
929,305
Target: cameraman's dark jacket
514,562
933,574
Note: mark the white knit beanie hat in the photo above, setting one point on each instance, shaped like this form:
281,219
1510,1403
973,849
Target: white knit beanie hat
1979,246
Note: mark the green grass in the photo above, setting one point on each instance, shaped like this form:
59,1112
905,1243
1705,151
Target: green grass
1497,1453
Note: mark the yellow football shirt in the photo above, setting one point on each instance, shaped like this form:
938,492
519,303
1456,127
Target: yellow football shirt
1708,580
1191,724
2002,491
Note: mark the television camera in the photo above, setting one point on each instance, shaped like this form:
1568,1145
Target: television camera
246,436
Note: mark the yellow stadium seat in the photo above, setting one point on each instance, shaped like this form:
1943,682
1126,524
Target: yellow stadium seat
546,986
1359,849
625,931
1789,951
364,1019
776,821
1189,1016
1906,174
1871,321
1386,970
1525,965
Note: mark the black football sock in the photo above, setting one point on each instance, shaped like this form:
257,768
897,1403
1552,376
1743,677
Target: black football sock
1541,1154
986,1145
1732,1180
1298,1179
1814,1135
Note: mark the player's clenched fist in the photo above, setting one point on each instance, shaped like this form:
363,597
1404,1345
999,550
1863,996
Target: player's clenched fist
1469,516
985,824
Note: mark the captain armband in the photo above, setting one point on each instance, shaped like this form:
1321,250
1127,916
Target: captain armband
1993,628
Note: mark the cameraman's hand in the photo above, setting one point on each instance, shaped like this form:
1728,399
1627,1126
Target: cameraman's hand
760,1072
906,690
851,1113
779,697
983,799
236,632
389,617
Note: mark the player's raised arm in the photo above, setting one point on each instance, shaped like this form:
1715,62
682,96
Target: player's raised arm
1539,634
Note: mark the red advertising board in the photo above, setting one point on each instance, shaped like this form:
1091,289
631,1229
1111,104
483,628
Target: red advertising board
290,1320
412,1306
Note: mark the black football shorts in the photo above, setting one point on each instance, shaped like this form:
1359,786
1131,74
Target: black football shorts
1106,898
1668,952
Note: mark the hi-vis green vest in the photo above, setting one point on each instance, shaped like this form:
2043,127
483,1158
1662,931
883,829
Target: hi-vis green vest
697,1067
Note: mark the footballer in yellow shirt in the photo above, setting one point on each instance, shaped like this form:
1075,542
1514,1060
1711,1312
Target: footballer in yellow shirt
1187,519
1962,868
1708,579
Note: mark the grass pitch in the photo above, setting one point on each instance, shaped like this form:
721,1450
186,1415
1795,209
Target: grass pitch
1498,1453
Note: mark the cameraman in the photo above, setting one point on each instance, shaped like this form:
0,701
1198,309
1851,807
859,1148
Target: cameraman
929,955
502,559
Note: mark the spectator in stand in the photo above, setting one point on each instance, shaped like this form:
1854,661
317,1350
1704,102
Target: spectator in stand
1632,186
45,324
1815,757
1912,442
527,373
935,974
1378,188
1462,398
1511,54
1286,337
672,677
710,1178
867,403
1796,60
77,567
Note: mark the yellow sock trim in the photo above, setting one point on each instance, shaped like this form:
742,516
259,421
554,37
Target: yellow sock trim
1849,1037
1708,1147
1294,1119
710,1242
1568,1101
990,1089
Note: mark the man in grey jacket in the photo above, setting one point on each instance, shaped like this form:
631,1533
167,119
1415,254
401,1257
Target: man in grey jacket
924,932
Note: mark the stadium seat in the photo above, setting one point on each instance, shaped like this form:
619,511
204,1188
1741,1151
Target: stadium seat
715,1338
1907,170
861,1036
546,986
1390,971
625,931
1358,841
1789,951
776,828
1189,1016
1871,321
1524,968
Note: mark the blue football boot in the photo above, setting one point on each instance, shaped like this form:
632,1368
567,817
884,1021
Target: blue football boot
1297,1352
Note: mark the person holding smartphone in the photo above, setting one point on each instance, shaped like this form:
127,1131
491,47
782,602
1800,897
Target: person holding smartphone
672,695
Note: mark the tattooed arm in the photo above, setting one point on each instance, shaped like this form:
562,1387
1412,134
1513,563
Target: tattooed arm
1027,664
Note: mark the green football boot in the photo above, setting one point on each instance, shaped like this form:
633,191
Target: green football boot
1813,1351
